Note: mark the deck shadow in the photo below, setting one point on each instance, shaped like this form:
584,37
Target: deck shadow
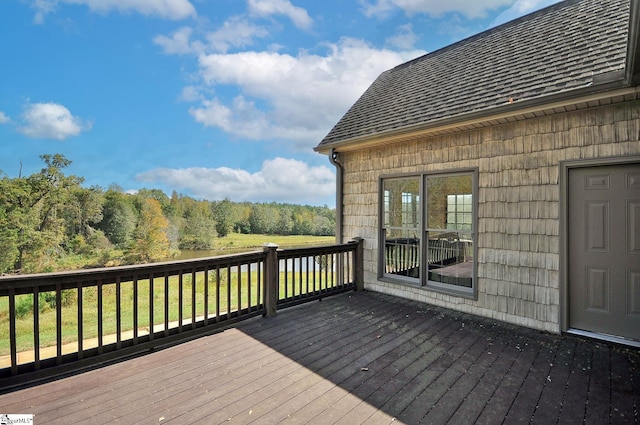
414,363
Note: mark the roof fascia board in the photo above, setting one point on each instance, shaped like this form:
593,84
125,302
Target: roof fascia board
559,100
633,44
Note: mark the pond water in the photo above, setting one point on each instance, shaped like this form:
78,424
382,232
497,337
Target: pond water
189,254
292,265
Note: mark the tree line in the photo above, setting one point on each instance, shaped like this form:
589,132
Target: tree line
49,217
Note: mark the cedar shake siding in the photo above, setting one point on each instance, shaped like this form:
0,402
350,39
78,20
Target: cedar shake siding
518,276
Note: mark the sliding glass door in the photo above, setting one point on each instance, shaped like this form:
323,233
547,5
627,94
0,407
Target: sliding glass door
449,230
428,230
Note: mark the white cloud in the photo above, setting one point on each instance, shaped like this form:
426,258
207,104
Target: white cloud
178,43
190,94
471,9
280,180
42,8
235,32
520,8
50,121
213,114
167,9
266,8
405,39
262,95
273,95
242,118
298,97
4,118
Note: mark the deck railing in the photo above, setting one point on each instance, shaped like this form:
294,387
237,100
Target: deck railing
402,255
57,323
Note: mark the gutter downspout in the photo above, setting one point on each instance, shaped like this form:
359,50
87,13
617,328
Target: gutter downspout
632,67
333,158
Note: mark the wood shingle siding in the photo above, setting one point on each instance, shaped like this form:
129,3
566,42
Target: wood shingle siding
518,203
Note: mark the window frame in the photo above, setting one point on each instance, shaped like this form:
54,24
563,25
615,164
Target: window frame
382,228
423,280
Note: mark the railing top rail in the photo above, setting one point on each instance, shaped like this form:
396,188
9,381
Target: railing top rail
138,270
107,275
324,249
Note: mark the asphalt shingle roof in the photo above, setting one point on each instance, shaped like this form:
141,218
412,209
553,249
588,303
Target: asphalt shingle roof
557,49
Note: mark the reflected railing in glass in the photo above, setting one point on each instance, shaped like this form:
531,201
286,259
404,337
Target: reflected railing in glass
402,252
450,257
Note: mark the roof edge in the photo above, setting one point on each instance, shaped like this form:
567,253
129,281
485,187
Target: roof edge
587,94
488,31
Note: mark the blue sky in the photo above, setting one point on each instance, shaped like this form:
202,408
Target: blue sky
212,98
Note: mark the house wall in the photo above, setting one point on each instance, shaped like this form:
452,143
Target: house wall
518,203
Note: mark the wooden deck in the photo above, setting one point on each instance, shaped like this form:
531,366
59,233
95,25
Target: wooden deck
354,358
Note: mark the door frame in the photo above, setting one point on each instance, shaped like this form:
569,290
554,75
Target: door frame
565,167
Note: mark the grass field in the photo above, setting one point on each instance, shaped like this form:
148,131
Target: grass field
237,240
24,325
221,299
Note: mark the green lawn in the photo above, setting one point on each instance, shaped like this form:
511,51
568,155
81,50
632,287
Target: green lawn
226,293
237,240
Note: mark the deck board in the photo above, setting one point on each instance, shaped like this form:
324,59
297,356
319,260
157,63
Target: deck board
354,358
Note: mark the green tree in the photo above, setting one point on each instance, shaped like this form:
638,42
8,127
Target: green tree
151,242
284,226
199,229
8,235
33,211
243,218
322,226
174,211
119,218
303,222
264,219
224,216
165,203
175,206
83,210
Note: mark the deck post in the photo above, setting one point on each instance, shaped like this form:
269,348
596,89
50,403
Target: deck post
271,280
358,263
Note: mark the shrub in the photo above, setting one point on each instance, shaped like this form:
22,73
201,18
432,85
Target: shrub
24,306
48,299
